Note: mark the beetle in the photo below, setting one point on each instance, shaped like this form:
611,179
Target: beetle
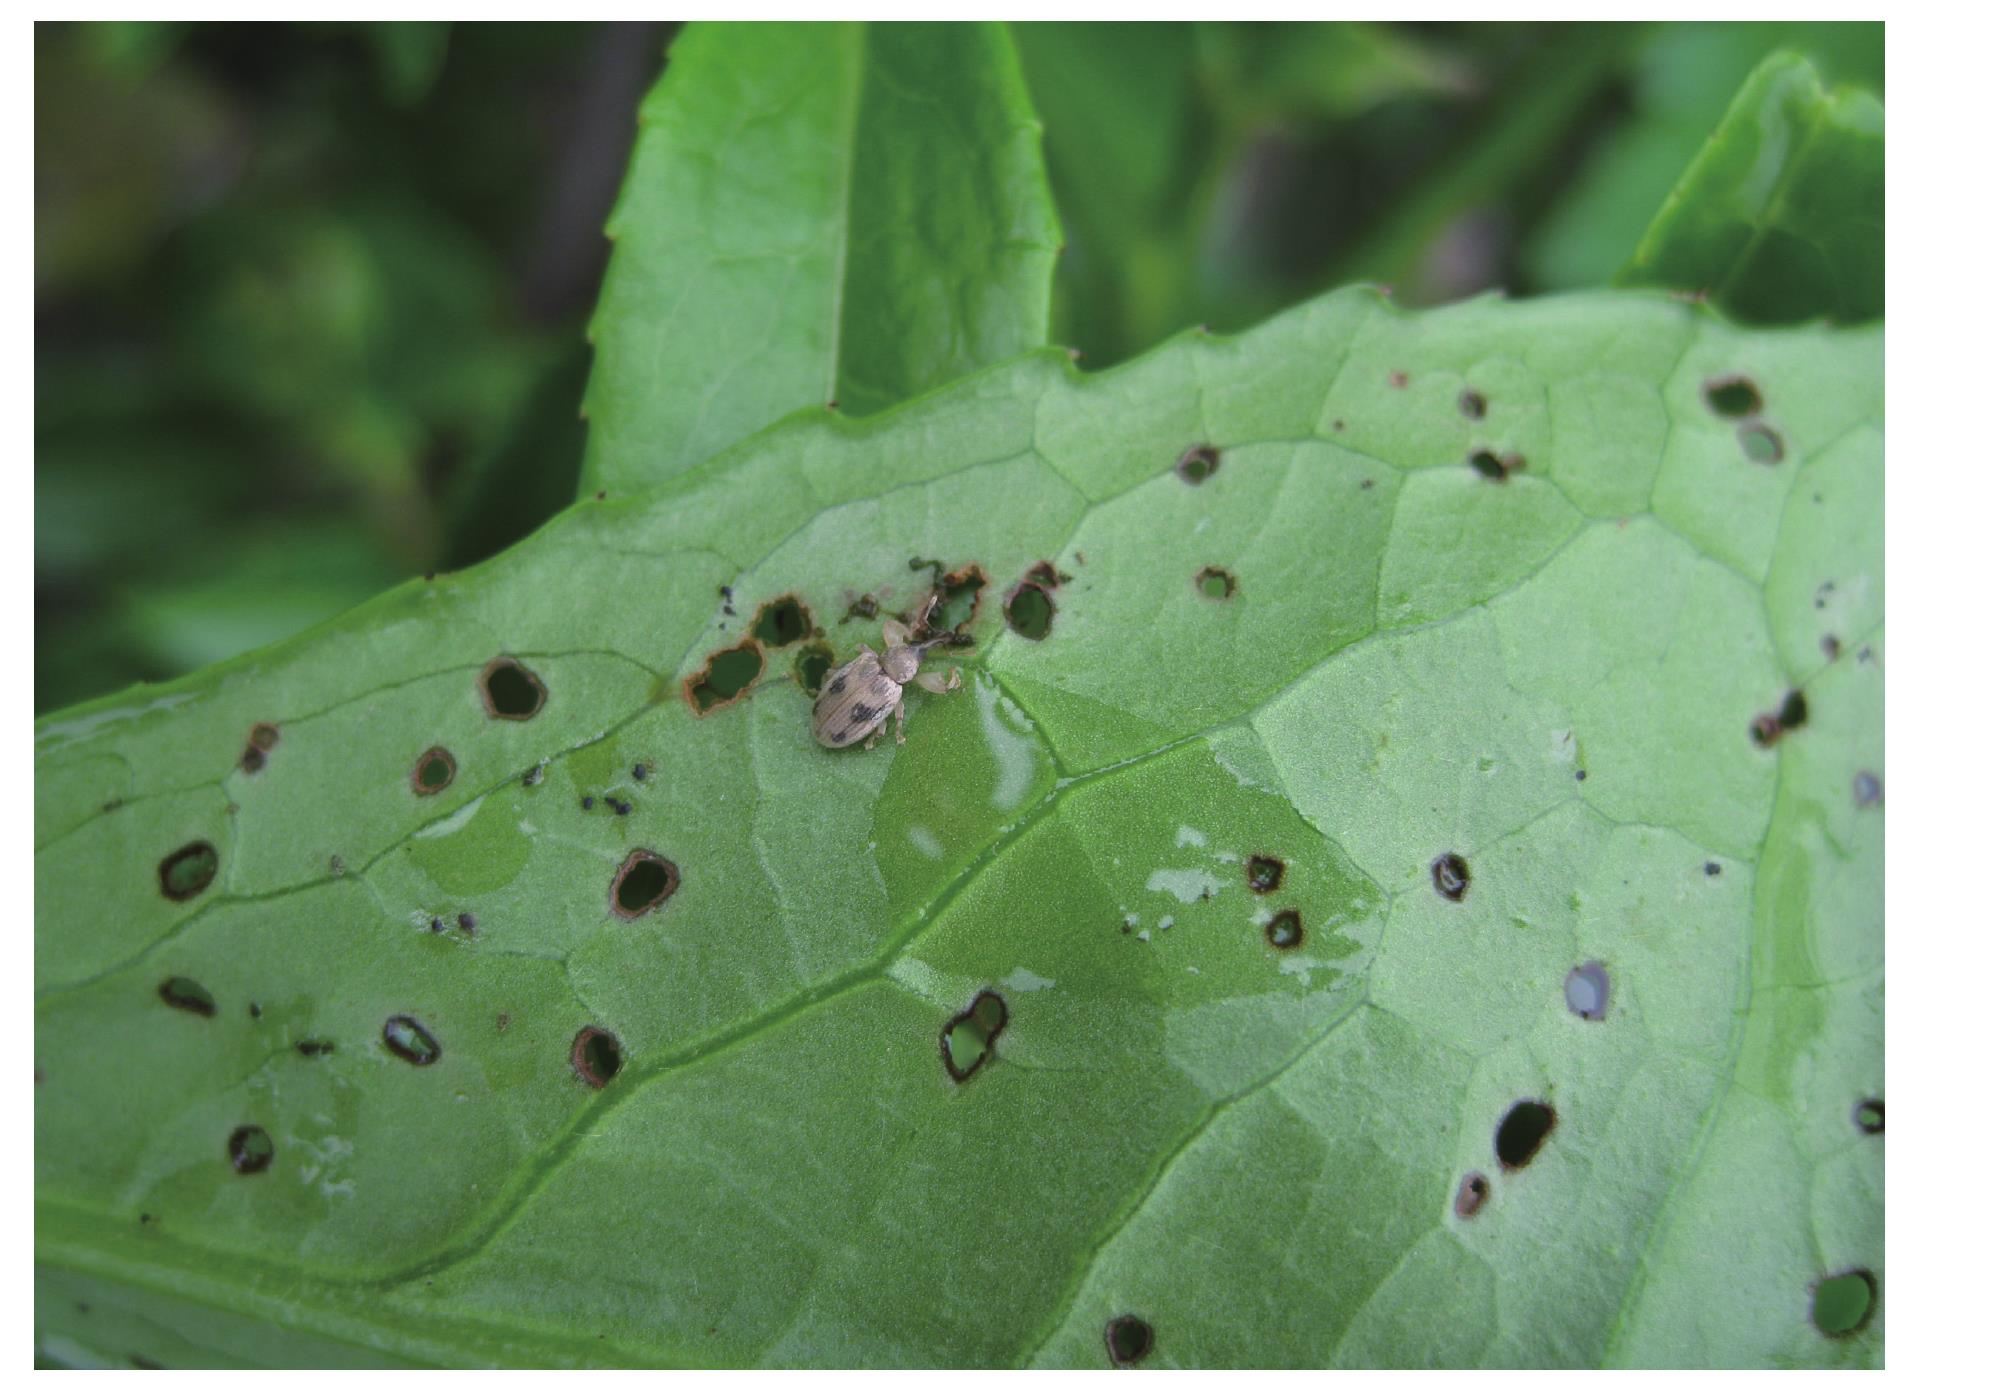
857,699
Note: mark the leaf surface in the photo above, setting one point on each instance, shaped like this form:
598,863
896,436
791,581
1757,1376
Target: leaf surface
815,214
1234,1101
1779,218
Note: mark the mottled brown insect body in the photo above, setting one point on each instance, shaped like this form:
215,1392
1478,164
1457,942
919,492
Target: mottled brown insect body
857,700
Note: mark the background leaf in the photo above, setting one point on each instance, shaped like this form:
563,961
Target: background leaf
1779,219
1511,582
816,214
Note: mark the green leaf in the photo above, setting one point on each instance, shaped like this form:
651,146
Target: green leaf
815,214
1199,847
1779,218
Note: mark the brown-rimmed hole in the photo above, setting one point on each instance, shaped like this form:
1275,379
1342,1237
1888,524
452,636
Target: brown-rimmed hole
866,607
966,1040
1521,1132
1046,575
596,1056
812,663
1215,584
1767,729
187,993
250,1150
1472,1192
1869,1116
1496,467
433,772
1586,990
1285,931
1761,445
1472,404
782,622
1844,1303
1451,875
510,689
1198,463
643,883
1265,873
1129,1339
188,870
1732,395
727,674
1028,610
410,1040
957,595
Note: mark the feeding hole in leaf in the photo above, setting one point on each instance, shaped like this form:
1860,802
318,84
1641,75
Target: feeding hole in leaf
510,690
188,871
1733,396
1521,1131
1711,868
812,662
264,737
1198,463
250,1150
1472,404
966,1039
956,597
1028,610
1844,1302
1767,729
1587,990
726,675
1869,1116
1451,875
314,1048
1763,446
1214,583
1265,874
410,1040
596,1056
1495,467
1868,789
1285,931
1472,1192
644,882
433,772
185,993
782,622
1129,1339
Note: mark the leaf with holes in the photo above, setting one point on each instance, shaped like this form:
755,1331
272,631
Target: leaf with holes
1385,911
815,214
1779,218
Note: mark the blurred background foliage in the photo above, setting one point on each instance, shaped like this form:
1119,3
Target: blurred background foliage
310,298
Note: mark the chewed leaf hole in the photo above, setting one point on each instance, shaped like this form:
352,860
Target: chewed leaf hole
1521,1132
812,662
1285,931
1760,444
510,690
1733,396
1587,990
596,1056
1215,583
1472,1192
1472,404
966,1040
433,772
726,675
250,1150
1198,463
410,1040
184,993
1869,1116
1451,875
782,622
1496,467
1265,874
1129,1339
1844,1303
1767,729
1028,610
643,883
188,871
957,596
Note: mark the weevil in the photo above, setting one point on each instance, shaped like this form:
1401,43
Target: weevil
857,699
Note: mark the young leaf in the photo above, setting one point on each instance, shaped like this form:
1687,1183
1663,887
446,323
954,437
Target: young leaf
1779,218
1206,981
815,214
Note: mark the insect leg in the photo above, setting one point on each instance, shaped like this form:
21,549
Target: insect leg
899,717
